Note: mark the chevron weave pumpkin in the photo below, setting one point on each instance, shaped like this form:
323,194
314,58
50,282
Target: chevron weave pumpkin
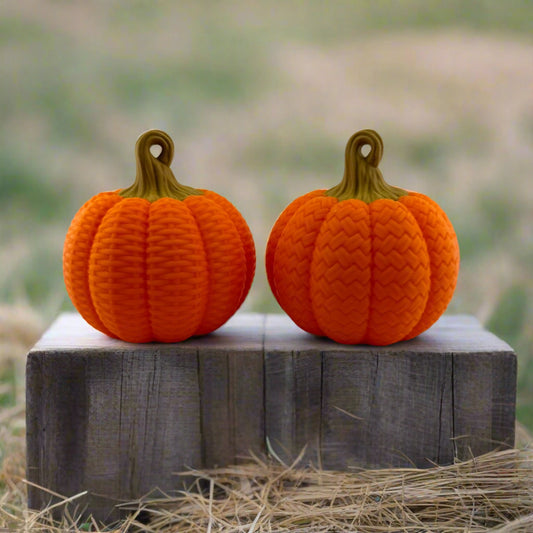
158,261
363,262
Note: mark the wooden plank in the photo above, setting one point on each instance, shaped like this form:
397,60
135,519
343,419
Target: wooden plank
484,397
246,400
120,420
218,441
56,421
158,422
348,406
116,424
383,410
294,404
231,382
408,404
102,449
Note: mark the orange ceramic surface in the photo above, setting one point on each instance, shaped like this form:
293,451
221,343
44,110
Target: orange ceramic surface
158,262
363,262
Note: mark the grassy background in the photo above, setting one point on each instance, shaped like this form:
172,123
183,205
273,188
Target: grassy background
260,98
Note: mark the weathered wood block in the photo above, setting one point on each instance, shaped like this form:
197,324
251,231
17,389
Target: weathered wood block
449,393
119,420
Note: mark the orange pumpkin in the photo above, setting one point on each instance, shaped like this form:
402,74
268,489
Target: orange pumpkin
363,262
158,261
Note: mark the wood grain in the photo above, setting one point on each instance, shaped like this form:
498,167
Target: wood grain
379,410
446,394
123,420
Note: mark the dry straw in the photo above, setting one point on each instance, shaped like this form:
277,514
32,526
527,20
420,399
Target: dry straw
476,495
493,492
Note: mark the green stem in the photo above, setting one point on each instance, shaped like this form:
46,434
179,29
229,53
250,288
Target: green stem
362,178
154,177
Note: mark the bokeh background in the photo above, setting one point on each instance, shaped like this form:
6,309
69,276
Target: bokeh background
260,98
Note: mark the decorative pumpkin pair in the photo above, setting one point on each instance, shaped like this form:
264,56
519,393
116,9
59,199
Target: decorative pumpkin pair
363,262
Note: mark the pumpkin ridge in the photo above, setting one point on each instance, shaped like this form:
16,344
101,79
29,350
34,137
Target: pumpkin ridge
340,272
372,282
443,257
104,329
400,267
120,247
281,222
175,260
292,261
148,303
245,235
208,292
226,260
85,223
311,293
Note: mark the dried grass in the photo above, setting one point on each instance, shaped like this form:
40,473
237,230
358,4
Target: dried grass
493,492
476,495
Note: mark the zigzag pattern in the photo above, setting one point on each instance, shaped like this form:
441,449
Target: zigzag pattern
359,273
226,261
162,271
443,250
400,273
341,272
77,251
292,261
117,270
245,234
176,271
277,230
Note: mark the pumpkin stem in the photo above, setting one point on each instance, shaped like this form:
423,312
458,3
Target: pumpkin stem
154,177
362,178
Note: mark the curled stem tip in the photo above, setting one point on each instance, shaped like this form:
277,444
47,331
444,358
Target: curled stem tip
154,178
365,138
155,138
362,178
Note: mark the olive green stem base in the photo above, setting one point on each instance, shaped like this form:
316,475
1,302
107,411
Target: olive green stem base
362,179
154,177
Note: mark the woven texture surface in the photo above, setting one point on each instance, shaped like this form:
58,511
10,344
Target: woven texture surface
158,271
371,273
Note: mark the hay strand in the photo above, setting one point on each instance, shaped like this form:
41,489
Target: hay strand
493,492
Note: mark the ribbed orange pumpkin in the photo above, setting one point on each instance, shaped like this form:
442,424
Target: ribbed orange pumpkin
363,262
158,261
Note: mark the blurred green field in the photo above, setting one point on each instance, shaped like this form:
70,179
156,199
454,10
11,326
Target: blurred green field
260,98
